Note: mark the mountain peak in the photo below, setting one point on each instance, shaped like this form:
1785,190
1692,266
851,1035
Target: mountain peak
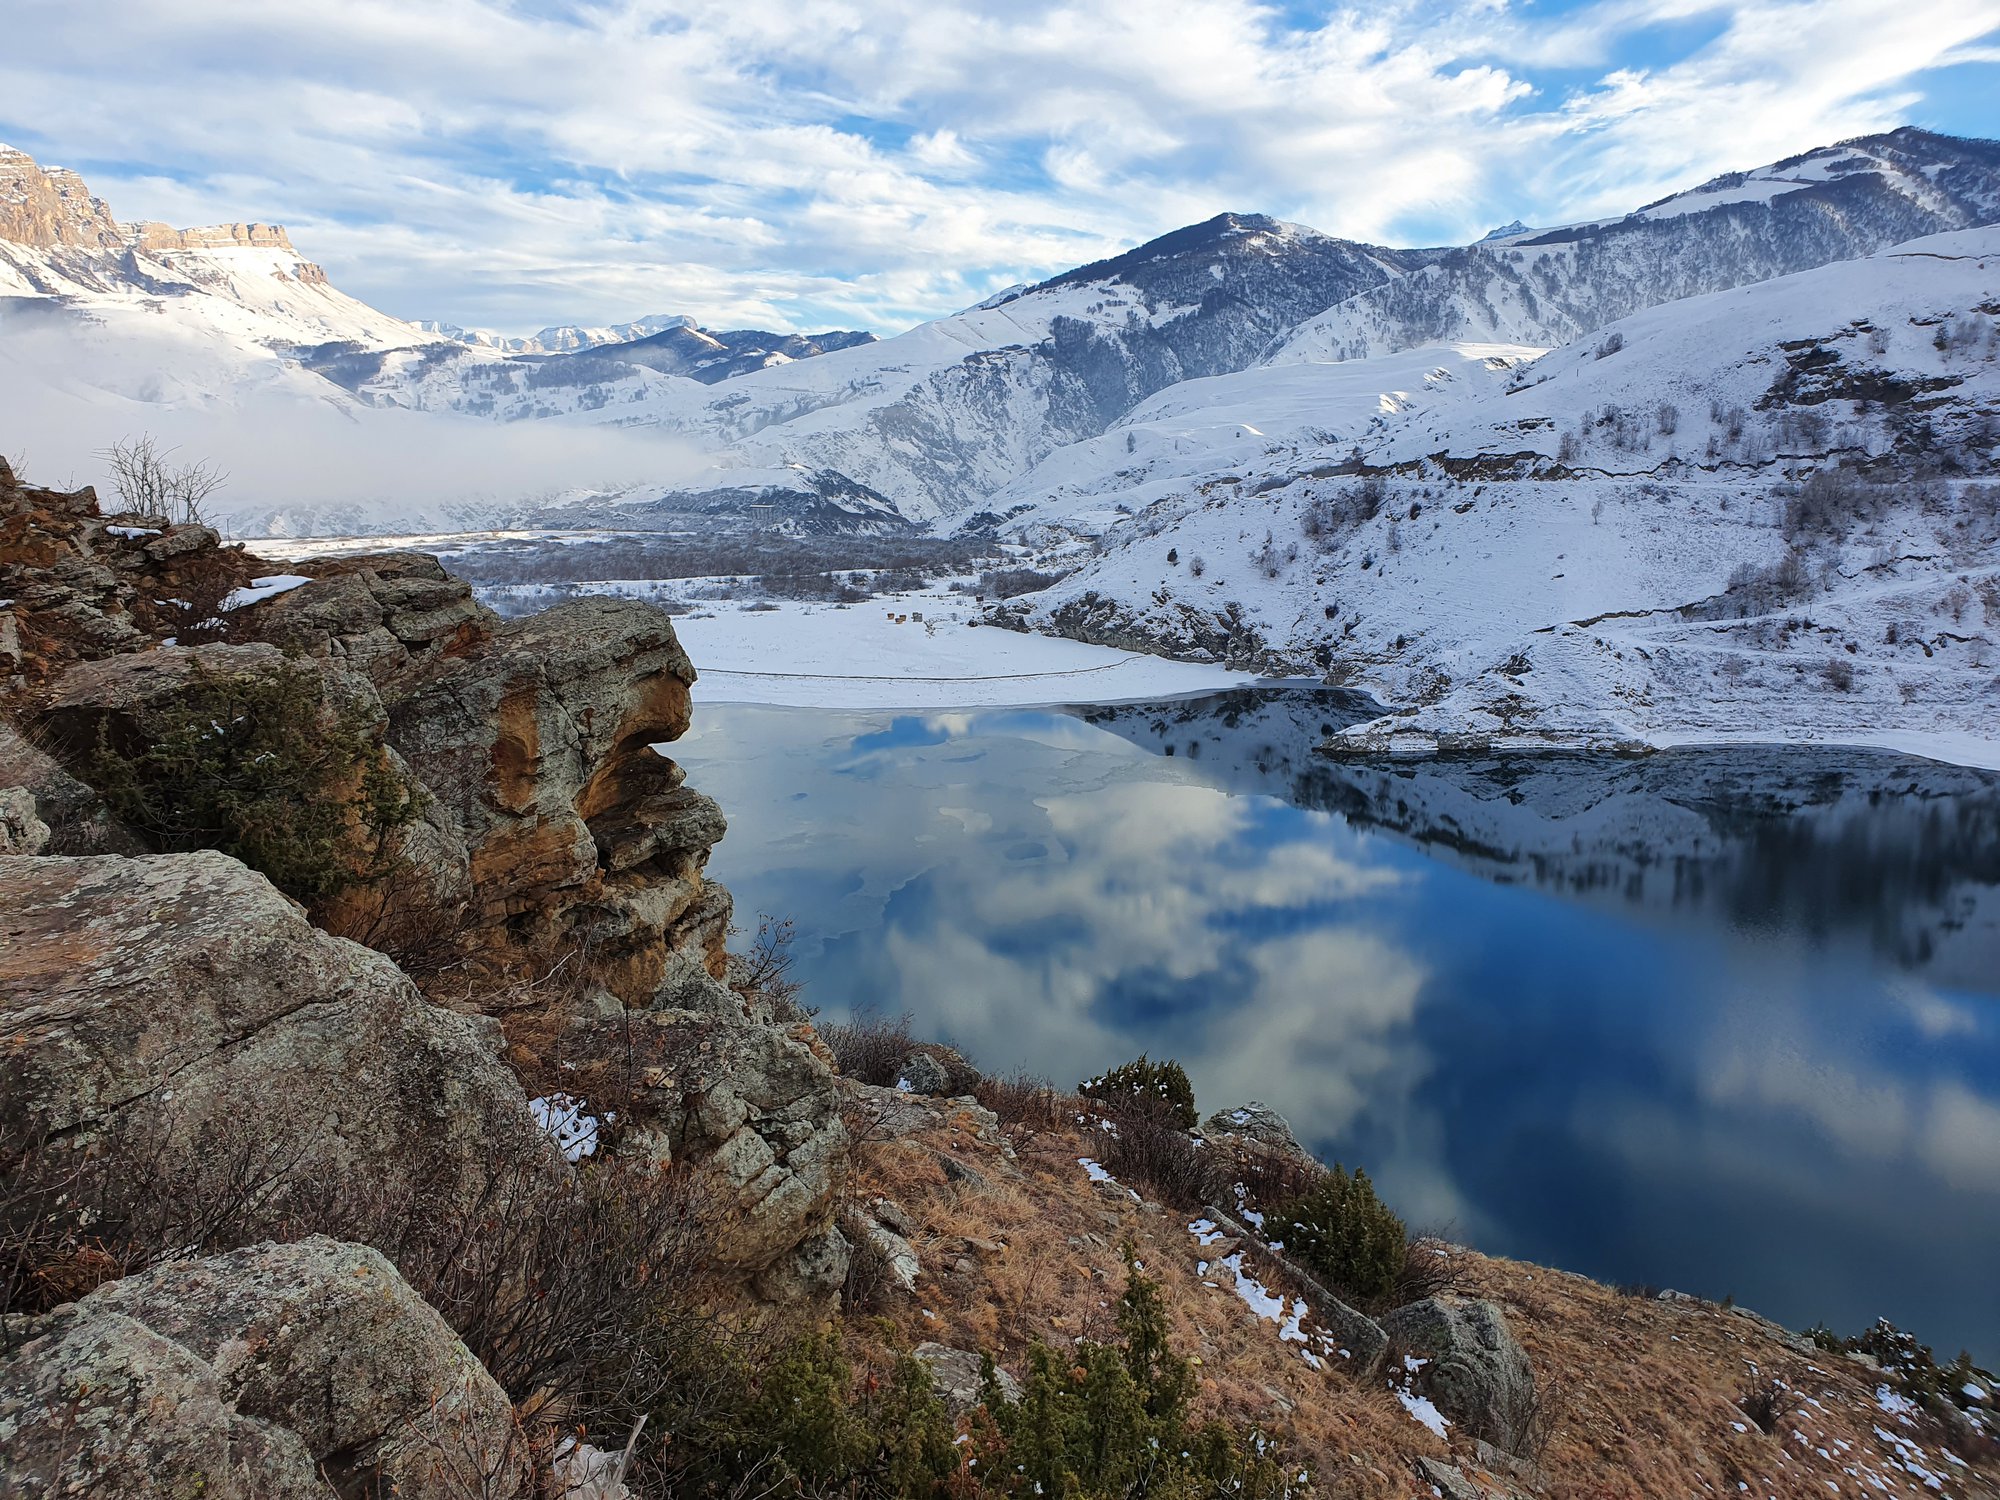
50,206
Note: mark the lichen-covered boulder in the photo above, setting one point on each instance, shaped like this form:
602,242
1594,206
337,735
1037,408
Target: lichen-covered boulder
269,1373
957,1375
1469,1364
387,615
1259,1124
177,1010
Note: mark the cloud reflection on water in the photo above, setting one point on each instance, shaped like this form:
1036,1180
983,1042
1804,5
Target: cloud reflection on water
1618,1073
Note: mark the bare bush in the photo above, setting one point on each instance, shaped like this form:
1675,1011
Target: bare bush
764,972
1145,1146
402,914
1026,1099
869,1047
147,480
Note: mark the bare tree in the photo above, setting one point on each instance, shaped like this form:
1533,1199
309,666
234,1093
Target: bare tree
150,482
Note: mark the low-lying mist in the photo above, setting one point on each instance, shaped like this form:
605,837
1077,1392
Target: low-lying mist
303,458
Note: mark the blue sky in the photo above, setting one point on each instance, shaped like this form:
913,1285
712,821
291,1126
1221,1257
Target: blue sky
868,163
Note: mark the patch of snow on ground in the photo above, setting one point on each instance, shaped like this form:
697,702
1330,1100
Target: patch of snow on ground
264,588
562,1119
1422,1408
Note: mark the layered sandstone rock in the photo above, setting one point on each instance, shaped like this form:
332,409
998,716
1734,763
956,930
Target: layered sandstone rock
279,1372
48,207
537,740
547,818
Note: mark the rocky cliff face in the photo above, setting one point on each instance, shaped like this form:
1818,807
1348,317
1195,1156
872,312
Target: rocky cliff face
547,814
199,1083
46,207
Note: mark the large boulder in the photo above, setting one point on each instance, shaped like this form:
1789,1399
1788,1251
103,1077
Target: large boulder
124,704
1469,1364
275,1372
177,1011
1259,1124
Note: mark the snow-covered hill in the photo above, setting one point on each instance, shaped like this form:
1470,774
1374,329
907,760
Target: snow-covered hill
1770,510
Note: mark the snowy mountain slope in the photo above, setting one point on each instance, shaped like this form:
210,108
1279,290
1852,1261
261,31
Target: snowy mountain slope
951,418
1248,422
1764,509
1550,286
709,356
244,281
939,417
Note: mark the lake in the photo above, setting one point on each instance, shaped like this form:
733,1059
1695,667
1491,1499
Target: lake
1721,1020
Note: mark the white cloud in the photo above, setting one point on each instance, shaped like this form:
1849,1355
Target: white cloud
757,161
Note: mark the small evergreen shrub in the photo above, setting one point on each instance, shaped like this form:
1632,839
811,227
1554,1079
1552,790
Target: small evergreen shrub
1344,1234
1142,1080
1103,1419
261,767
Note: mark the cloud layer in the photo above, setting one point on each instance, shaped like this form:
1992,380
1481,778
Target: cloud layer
518,162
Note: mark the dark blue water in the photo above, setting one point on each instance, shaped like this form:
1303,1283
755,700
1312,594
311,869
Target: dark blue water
1727,1021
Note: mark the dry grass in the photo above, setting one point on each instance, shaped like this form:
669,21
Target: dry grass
1638,1398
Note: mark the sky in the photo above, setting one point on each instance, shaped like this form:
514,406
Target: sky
807,164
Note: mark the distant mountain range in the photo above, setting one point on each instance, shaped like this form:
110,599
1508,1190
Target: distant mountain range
1726,460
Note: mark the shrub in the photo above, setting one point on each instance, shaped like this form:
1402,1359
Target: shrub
869,1047
1112,1419
765,971
1345,1234
267,770
147,480
1024,1099
1142,1079
1147,1146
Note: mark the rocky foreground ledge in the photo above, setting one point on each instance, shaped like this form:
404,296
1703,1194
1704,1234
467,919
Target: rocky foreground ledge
335,1176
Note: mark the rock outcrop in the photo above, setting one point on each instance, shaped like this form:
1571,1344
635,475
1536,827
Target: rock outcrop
1259,1124
537,742
76,585
278,1372
547,817
1470,1366
753,1105
958,1376
176,1013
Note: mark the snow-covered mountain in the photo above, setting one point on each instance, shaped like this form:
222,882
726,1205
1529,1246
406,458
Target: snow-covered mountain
61,246
953,418
1774,504
1549,286
562,338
